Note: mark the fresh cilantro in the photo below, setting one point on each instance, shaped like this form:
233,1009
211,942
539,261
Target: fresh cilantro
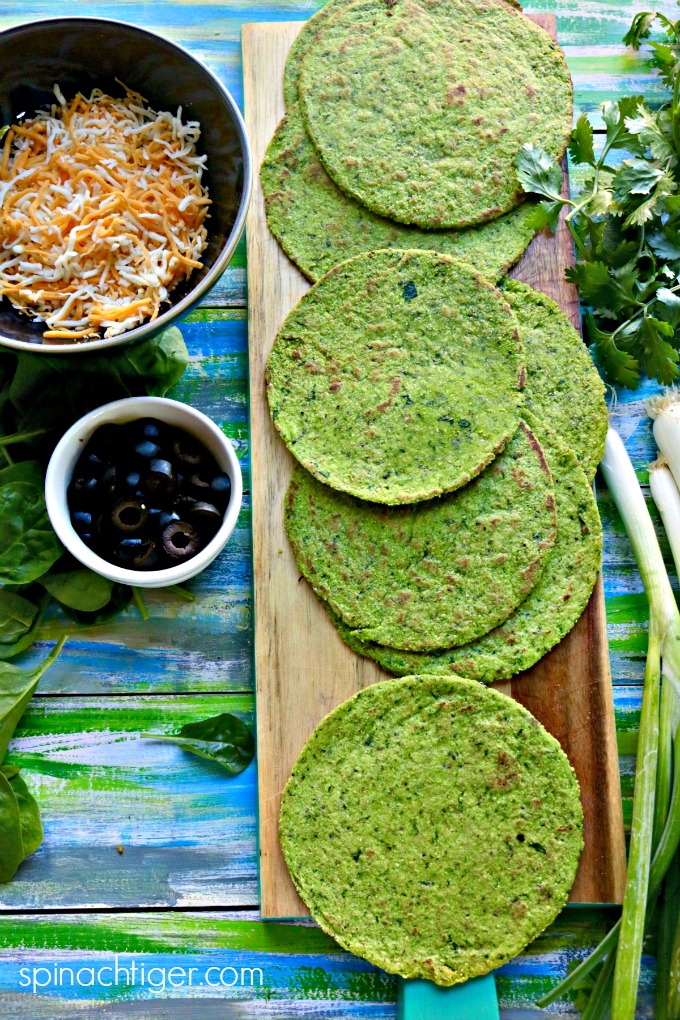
625,222
581,142
639,29
537,173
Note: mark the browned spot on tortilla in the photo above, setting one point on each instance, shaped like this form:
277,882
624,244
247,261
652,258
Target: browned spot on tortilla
396,383
535,445
518,909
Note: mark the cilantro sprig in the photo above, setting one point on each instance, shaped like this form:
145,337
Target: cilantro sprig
625,222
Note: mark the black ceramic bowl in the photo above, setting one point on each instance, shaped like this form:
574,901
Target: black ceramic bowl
80,54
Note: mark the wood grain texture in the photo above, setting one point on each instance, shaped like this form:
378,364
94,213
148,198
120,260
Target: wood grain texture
570,689
302,668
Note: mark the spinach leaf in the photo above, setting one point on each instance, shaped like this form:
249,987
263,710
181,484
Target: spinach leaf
29,814
160,363
150,367
27,471
17,616
121,596
16,690
221,738
28,544
10,771
11,845
80,589
8,650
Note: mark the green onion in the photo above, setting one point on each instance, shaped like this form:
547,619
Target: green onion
656,812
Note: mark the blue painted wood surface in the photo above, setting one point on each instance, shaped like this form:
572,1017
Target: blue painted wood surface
187,833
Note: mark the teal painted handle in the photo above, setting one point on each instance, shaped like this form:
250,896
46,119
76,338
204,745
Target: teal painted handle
423,1000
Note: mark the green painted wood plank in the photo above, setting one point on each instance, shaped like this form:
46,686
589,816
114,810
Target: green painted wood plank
186,827
303,973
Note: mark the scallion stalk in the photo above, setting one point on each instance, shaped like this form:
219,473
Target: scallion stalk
631,936
666,1000
644,874
665,410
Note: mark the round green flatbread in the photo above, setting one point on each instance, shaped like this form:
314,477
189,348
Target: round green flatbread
563,388
303,40
434,574
318,225
396,378
432,826
550,610
296,54
418,109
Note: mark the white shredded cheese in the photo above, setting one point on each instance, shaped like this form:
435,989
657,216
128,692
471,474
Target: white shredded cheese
102,200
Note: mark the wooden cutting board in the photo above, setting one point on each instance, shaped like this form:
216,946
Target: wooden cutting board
302,668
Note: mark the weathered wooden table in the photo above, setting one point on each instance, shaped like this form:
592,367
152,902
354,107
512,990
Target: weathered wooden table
169,927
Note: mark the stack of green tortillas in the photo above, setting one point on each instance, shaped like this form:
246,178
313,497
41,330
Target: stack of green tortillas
403,123
446,435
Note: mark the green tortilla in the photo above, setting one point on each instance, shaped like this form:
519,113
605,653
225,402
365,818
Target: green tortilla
419,109
303,40
318,225
300,46
563,388
550,610
432,575
397,376
433,827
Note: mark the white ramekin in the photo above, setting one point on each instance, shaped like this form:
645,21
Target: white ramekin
72,444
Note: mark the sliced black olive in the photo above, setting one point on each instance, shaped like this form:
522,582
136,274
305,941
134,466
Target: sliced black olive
94,463
147,449
147,556
221,486
200,483
160,477
109,481
132,480
81,521
127,549
151,428
129,515
206,513
183,502
166,517
83,485
180,540
107,440
188,450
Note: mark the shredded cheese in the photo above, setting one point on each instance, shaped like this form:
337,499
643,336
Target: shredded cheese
102,213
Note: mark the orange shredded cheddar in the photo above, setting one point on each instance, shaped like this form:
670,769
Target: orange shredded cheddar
108,213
